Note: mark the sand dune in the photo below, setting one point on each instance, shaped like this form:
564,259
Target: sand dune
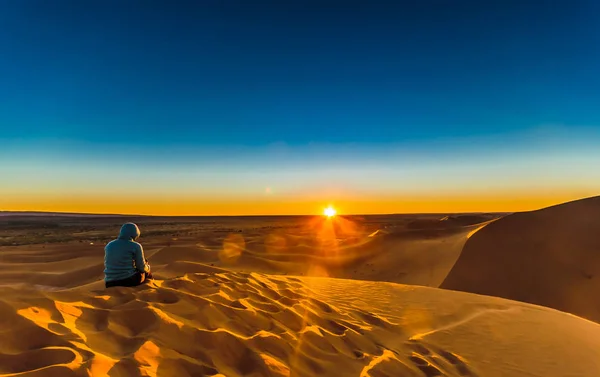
299,297
549,257
237,324
404,255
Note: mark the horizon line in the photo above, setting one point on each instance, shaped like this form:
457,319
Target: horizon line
96,214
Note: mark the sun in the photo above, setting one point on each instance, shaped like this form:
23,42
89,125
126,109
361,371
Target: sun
329,211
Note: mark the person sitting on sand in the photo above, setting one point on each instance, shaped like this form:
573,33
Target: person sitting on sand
124,262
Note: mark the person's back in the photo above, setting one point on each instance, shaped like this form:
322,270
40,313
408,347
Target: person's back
124,262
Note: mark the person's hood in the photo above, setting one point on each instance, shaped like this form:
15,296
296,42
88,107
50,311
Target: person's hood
129,231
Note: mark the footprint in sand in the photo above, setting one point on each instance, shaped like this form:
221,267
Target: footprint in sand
432,361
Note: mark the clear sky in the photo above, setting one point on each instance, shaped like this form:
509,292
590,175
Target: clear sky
283,107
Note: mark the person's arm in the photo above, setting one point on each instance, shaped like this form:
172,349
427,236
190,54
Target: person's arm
140,260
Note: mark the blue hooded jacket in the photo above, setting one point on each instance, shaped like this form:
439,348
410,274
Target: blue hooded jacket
123,257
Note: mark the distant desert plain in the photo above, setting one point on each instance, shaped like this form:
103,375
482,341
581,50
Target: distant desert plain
487,295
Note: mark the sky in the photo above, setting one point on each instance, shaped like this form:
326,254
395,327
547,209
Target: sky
285,107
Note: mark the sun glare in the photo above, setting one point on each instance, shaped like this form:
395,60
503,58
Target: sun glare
329,211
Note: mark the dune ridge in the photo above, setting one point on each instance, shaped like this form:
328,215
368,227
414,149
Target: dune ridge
549,257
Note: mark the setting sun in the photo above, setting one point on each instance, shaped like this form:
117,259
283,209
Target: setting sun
329,211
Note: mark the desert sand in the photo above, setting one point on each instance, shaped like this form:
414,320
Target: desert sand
307,296
549,257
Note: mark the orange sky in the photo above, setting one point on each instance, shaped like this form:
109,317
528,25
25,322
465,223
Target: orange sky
497,175
509,202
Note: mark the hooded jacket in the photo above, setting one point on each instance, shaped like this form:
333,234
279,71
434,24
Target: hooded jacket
123,257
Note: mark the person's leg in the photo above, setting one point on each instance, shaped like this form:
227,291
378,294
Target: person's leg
145,277
131,281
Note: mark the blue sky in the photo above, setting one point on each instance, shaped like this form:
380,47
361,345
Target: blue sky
299,86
